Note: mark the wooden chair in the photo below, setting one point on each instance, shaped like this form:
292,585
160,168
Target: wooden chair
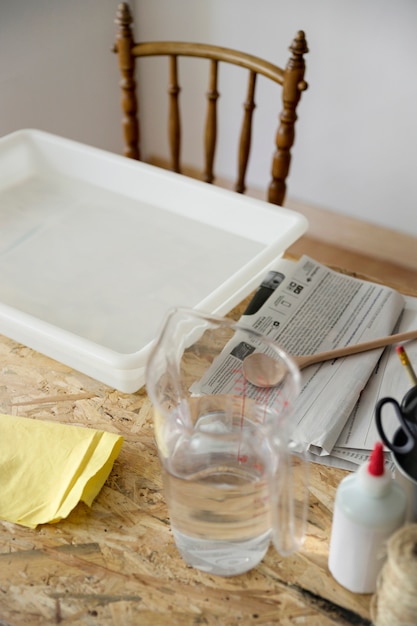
291,79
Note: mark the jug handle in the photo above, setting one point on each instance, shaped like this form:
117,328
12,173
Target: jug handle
289,499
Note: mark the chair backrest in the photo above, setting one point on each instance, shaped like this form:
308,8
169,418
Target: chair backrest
291,79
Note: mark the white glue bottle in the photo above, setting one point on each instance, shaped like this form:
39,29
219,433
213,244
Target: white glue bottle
369,507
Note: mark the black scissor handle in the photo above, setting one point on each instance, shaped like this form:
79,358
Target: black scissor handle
409,409
410,440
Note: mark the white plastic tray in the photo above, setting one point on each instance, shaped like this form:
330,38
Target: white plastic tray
95,248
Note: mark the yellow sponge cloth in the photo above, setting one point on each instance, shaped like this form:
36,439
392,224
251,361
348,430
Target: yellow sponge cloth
47,468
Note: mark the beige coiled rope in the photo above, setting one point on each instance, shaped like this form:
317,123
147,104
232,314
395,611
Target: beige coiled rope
395,600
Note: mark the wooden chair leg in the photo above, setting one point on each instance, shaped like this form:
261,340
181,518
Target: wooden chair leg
124,44
294,84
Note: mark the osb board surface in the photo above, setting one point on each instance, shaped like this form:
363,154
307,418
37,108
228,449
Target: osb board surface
116,563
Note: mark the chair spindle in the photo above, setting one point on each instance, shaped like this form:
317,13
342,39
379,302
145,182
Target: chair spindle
211,123
246,133
174,124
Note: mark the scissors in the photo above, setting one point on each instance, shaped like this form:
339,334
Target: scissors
407,416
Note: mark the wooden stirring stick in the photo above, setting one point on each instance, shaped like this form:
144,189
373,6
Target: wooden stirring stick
309,359
271,374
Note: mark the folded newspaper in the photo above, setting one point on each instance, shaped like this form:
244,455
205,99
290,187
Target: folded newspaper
314,309
388,378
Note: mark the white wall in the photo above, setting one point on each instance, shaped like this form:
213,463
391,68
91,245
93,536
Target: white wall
57,71
356,145
356,142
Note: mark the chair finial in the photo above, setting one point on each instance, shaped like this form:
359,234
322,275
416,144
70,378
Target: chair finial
299,44
124,16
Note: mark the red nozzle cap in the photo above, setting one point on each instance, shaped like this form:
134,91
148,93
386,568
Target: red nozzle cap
376,462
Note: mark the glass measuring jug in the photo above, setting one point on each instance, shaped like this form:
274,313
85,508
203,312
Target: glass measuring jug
230,480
